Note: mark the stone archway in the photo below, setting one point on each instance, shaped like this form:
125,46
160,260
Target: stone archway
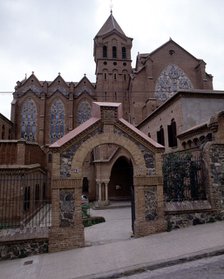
105,127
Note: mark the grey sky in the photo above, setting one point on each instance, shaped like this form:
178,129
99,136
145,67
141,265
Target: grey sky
54,36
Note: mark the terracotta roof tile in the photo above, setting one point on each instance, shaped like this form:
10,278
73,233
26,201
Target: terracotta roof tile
74,132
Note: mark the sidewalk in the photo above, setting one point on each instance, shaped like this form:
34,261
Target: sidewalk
110,260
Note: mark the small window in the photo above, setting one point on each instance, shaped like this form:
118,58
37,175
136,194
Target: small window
115,76
105,76
124,55
172,134
49,158
160,136
114,52
105,51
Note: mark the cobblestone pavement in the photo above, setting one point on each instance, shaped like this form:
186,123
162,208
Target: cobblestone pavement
207,268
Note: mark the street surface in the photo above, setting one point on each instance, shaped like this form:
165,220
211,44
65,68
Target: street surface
207,268
116,228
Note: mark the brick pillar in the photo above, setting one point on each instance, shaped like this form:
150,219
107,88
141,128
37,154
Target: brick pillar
67,230
149,206
21,151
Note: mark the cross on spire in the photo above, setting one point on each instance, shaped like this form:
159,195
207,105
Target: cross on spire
111,6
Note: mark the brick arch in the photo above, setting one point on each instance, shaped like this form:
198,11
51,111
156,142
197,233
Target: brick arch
136,155
70,153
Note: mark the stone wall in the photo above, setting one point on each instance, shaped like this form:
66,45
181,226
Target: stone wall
22,249
149,206
216,154
186,219
20,243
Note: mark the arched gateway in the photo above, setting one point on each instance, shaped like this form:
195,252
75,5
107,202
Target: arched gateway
105,127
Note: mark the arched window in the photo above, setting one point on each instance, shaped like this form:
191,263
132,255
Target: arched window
104,51
83,112
160,135
29,120
172,134
124,54
57,121
114,52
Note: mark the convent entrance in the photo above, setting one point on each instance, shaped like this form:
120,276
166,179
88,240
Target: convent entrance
135,171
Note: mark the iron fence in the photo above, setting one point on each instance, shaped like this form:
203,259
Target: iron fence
184,177
24,200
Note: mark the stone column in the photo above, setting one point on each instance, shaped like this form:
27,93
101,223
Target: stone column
100,192
106,192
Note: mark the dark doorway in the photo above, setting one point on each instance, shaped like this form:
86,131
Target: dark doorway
85,185
121,180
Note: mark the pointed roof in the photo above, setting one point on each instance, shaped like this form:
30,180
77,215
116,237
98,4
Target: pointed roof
110,25
171,41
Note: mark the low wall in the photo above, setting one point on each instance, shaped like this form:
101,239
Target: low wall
22,248
20,243
185,214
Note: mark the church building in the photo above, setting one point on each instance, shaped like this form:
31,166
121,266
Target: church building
109,139
45,111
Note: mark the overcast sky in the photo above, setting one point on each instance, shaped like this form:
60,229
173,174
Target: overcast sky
54,36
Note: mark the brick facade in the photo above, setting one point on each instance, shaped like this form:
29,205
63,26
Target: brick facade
83,138
189,110
6,128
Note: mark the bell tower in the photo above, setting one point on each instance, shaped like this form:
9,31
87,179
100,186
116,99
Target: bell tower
112,55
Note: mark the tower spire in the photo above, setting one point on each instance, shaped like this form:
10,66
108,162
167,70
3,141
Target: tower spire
111,6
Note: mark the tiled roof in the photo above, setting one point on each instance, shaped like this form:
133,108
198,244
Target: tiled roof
141,134
74,132
110,25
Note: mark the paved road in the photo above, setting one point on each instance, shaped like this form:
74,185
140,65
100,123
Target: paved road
208,268
116,228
